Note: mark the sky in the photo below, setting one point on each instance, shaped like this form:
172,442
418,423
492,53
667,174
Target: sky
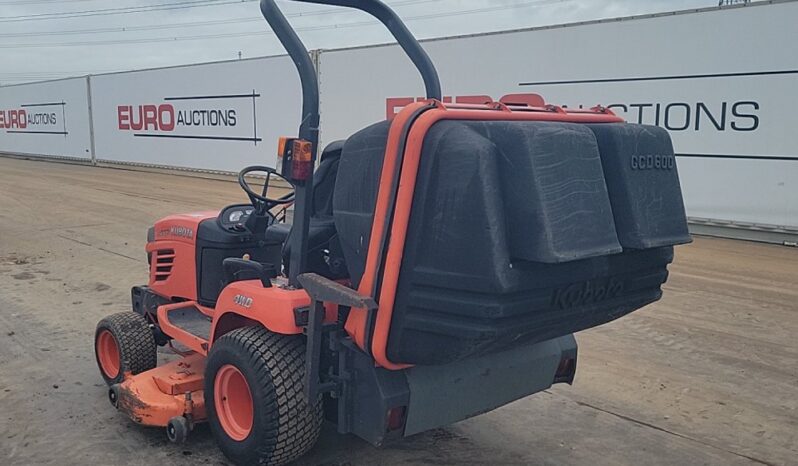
49,39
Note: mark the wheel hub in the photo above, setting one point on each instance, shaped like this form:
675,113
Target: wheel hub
233,402
108,354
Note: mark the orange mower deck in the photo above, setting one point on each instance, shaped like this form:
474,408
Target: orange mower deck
156,397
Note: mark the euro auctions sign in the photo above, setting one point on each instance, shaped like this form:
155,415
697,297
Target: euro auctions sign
227,117
212,116
13,119
394,104
35,118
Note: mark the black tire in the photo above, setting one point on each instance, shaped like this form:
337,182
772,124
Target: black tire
177,430
284,425
135,342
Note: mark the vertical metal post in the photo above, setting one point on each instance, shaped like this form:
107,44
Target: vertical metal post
315,56
313,355
308,76
92,147
308,130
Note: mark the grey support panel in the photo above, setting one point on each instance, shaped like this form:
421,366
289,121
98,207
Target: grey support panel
367,400
442,395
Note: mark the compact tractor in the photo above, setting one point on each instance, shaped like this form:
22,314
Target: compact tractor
435,268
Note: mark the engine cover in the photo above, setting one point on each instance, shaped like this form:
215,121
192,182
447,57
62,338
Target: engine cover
171,251
186,251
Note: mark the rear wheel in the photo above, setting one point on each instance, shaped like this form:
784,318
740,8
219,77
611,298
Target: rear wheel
254,382
124,343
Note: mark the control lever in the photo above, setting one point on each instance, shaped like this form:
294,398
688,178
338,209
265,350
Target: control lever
236,269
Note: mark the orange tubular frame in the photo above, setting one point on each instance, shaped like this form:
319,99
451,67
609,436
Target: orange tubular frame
356,324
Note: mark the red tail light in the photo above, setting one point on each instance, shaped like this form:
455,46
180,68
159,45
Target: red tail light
565,371
301,160
396,418
283,155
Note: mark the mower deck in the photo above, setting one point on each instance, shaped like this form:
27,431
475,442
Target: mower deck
155,397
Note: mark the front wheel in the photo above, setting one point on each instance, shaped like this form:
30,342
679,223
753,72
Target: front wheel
254,383
124,343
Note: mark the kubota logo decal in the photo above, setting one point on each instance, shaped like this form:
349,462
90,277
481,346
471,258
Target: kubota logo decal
176,230
589,292
216,117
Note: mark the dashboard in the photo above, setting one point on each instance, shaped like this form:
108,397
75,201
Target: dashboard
234,217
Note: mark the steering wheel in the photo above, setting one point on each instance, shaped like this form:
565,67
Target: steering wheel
261,202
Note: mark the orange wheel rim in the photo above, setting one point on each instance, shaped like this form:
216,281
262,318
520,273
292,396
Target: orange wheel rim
233,402
108,354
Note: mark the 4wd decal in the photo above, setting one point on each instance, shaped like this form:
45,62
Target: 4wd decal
243,301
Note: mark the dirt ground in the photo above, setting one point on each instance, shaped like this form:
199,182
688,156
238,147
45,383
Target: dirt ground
708,375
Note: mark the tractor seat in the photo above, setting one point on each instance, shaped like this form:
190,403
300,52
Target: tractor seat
324,251
320,230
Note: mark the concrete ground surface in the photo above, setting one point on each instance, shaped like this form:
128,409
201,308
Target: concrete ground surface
708,375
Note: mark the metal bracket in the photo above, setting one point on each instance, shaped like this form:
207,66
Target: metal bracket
323,290
326,290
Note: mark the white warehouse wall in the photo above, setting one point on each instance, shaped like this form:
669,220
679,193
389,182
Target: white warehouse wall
217,116
722,81
46,119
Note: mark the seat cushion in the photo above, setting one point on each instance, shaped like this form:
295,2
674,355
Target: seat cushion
324,251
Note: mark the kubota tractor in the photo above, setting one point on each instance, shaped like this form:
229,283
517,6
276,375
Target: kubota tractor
436,268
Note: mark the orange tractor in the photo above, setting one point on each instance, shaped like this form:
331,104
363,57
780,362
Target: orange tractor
436,268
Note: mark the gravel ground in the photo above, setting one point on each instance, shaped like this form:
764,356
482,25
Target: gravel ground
708,375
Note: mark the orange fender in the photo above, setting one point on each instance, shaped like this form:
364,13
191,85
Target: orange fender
248,302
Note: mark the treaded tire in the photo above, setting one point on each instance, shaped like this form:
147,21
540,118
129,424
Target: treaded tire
284,426
135,342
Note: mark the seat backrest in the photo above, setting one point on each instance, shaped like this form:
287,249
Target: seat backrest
356,194
321,234
324,180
